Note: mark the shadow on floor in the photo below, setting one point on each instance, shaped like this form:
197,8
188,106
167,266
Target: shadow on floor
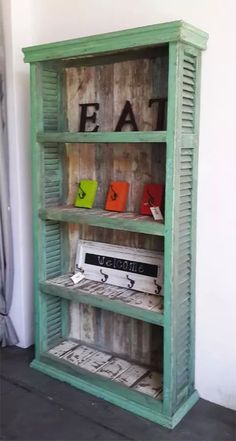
35,407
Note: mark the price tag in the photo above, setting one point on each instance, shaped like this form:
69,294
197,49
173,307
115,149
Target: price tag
156,212
77,277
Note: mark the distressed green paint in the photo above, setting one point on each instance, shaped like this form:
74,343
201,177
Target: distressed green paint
104,303
172,112
182,311
194,142
104,383
36,124
145,409
117,41
62,125
179,395
92,217
96,137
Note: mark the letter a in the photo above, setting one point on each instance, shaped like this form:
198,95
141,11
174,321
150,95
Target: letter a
127,111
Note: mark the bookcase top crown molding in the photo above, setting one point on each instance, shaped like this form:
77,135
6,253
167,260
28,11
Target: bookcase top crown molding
141,37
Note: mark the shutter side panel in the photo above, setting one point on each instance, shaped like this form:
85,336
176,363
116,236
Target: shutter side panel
52,153
183,275
52,169
185,226
53,310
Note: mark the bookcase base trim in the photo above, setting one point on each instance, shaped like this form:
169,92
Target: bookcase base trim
156,416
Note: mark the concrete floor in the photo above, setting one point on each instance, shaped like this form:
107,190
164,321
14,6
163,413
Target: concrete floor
36,407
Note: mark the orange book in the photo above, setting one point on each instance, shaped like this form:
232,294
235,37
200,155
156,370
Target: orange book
117,196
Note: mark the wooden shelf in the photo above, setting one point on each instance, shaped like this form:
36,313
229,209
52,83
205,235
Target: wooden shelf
137,377
106,219
106,137
135,304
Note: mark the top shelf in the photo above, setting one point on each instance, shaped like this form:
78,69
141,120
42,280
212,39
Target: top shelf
117,41
98,137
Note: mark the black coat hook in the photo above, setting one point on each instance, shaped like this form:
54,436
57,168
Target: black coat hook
103,279
158,290
131,282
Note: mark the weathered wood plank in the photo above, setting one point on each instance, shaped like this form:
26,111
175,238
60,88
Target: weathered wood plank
114,368
131,375
100,218
102,137
62,348
151,384
106,297
79,355
75,318
94,362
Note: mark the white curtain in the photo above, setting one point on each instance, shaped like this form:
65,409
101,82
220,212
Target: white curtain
7,332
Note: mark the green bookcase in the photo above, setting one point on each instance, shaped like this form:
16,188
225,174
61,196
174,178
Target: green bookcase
137,66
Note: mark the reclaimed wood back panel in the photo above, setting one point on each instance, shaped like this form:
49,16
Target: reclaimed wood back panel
136,163
130,338
111,85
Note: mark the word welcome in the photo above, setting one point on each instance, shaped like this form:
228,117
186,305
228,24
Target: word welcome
145,269
126,117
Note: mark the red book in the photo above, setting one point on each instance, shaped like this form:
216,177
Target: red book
117,196
153,196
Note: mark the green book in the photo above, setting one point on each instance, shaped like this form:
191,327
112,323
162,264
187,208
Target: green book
86,193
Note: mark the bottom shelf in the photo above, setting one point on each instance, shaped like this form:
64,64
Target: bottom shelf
131,400
137,377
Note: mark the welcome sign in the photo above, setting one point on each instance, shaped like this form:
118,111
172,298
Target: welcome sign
138,269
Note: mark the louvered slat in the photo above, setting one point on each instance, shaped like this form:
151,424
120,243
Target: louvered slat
52,173
53,248
53,319
50,99
184,231
188,92
51,152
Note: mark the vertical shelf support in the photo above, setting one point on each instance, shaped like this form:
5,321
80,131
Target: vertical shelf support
169,318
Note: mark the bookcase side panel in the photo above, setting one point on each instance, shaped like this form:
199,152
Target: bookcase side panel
185,228
47,191
169,323
36,124
181,306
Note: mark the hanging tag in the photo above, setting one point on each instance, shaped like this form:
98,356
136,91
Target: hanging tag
156,212
77,277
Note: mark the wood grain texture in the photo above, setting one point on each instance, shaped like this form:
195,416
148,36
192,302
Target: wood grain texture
121,335
141,306
110,86
99,262
113,368
102,137
103,321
